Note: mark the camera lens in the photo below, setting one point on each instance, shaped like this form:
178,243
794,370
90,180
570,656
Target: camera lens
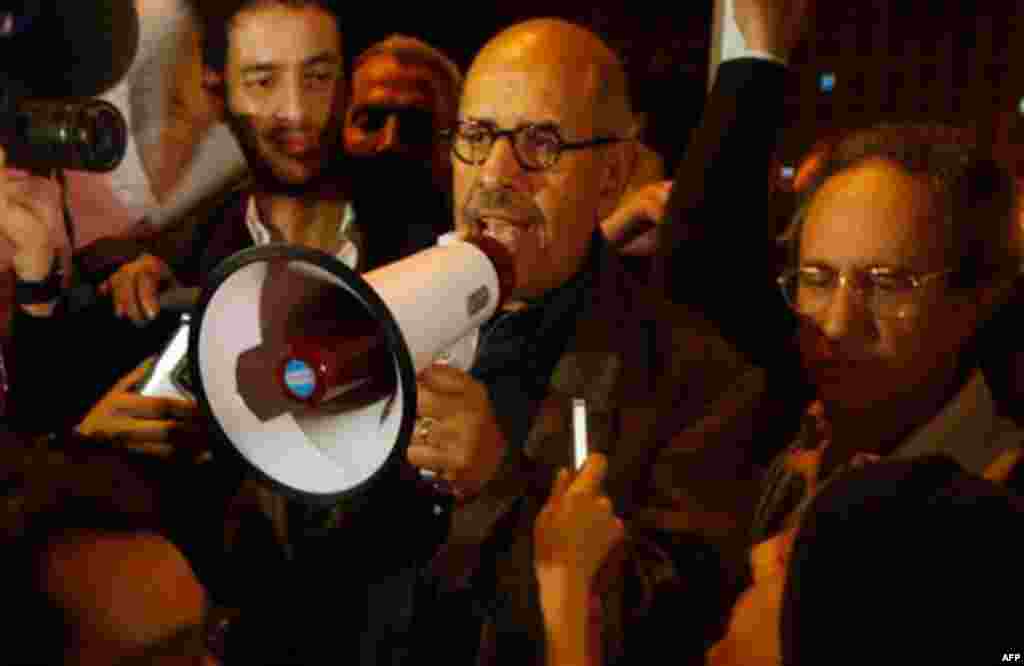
87,135
103,134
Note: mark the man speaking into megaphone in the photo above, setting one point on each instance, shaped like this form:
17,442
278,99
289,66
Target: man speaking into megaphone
539,155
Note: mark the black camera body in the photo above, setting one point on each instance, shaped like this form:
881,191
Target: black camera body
55,57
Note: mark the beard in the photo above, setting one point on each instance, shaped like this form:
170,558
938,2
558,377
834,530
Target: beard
281,174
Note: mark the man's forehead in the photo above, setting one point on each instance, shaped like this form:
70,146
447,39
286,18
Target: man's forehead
870,214
283,36
381,77
557,93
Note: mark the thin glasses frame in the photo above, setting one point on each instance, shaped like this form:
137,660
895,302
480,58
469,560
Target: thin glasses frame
864,286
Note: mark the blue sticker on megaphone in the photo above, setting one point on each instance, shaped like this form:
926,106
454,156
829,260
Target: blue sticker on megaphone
299,379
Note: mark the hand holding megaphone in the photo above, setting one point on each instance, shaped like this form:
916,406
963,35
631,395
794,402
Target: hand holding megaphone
135,288
456,436
312,373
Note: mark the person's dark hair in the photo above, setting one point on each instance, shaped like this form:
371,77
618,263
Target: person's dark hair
48,500
975,195
409,50
904,560
216,16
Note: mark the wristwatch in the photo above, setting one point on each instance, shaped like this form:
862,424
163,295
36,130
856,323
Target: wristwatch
47,290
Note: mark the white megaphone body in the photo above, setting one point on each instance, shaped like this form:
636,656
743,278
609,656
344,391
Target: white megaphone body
308,370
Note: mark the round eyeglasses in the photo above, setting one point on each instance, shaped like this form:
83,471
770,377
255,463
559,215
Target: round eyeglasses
536,147
809,290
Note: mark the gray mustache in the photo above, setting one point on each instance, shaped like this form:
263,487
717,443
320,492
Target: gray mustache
502,200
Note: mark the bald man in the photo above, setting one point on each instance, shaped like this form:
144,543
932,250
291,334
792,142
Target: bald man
540,156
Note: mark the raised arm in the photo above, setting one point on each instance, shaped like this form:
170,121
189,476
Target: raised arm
717,251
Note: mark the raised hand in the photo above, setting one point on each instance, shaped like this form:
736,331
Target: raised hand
456,437
772,26
577,528
136,286
632,227
155,425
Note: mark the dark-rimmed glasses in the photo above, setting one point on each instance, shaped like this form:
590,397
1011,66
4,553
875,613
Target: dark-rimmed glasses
536,146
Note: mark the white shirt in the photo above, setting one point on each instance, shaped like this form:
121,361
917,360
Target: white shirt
142,96
348,253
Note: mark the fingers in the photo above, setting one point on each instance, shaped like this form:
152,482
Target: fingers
126,430
562,482
146,289
643,209
658,200
444,379
154,407
135,288
661,191
442,390
427,457
148,430
129,291
592,475
132,378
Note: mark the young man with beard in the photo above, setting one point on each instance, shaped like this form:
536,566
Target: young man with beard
540,158
278,66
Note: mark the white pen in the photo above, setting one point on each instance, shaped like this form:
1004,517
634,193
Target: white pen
579,427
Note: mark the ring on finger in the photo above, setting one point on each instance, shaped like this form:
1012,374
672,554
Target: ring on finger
424,425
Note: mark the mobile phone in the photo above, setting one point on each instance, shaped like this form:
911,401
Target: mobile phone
579,429
169,375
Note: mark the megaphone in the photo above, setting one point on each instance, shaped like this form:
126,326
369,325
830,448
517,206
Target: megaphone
308,370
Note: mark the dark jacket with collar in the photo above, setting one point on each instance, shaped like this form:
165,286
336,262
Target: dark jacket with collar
678,411
647,369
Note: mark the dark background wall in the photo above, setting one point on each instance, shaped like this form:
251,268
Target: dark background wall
667,56
952,60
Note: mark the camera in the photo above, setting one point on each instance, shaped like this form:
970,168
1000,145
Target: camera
55,58
48,134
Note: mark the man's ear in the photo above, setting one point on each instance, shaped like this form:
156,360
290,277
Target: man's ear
616,169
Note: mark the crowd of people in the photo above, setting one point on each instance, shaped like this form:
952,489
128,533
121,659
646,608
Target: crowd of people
804,447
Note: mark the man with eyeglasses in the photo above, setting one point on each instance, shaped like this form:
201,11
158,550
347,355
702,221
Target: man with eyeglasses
904,246
540,156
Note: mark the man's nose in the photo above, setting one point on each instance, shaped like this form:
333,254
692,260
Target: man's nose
291,102
845,315
501,165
